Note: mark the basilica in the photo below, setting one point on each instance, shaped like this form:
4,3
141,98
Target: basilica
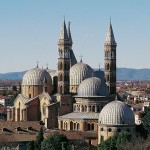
74,97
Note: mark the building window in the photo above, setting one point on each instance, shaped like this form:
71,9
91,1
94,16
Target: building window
90,108
82,108
102,129
98,109
29,95
78,126
71,125
45,89
93,109
85,108
88,126
109,130
101,138
92,126
74,126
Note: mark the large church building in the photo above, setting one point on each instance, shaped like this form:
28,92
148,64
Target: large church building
74,96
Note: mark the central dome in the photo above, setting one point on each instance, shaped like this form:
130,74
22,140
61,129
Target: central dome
116,113
80,72
36,76
92,87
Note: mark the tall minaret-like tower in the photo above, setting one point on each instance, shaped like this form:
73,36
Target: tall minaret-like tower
64,59
110,61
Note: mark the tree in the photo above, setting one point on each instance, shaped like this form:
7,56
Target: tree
55,142
39,140
146,121
30,145
14,88
113,142
136,143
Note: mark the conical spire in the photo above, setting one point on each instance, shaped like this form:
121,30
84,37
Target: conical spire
81,58
110,35
69,32
63,33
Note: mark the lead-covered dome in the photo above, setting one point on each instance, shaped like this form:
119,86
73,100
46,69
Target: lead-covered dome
80,72
36,76
52,73
116,113
92,87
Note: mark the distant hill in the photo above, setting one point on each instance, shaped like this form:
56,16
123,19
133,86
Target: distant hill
133,74
12,75
122,74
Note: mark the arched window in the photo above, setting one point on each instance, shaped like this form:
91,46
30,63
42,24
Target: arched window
82,108
89,108
74,126
71,125
78,126
107,77
61,66
108,66
92,126
60,88
109,130
98,109
85,108
89,126
61,125
66,125
93,109
61,77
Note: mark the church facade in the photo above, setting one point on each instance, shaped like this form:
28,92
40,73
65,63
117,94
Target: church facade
72,96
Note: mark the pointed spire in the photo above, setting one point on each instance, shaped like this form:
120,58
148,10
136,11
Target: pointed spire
69,32
47,66
81,58
110,35
63,33
37,66
99,66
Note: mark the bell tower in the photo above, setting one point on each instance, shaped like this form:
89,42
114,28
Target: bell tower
110,61
64,59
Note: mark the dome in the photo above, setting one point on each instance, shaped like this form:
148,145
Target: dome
80,72
116,113
92,87
36,76
52,73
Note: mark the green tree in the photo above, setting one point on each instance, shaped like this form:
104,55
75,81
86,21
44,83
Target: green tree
30,145
13,97
39,140
146,121
113,142
136,143
54,142
14,88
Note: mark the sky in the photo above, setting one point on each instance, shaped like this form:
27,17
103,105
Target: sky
29,31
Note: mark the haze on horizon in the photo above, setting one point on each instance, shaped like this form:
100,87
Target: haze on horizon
29,31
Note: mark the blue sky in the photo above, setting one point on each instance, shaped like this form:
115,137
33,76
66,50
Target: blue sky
29,31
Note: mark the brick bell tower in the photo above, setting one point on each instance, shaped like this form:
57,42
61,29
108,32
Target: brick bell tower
110,61
66,59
